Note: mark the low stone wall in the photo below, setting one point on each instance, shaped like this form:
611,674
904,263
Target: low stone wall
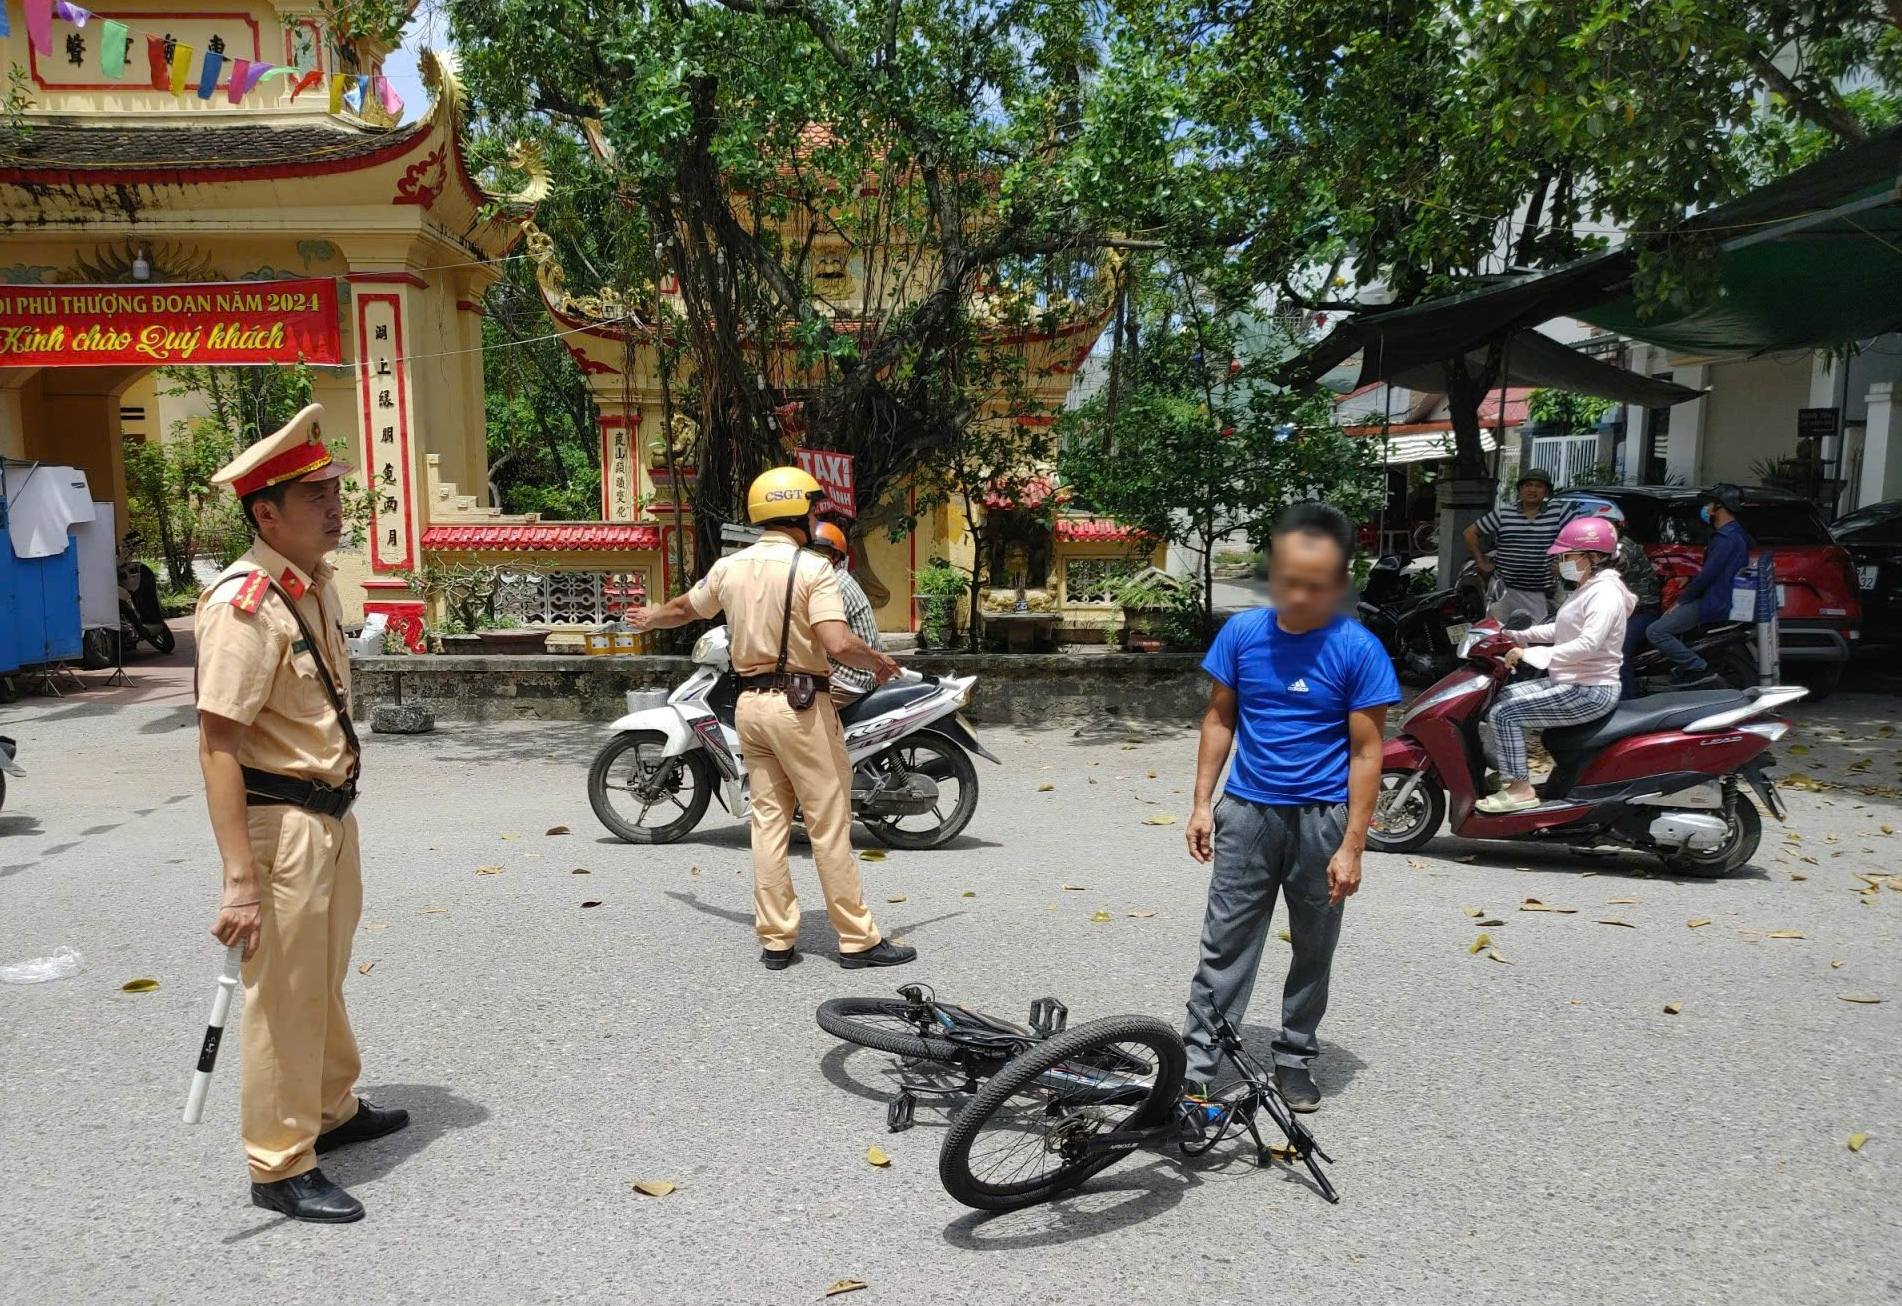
1026,689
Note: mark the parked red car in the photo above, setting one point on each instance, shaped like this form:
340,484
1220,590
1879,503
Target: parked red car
1820,609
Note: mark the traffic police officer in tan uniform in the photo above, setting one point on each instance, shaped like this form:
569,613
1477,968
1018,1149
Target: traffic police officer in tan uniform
784,615
280,759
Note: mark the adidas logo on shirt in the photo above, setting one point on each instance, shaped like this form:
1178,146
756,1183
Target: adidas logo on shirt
1298,687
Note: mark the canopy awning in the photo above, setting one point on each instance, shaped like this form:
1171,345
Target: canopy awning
1810,260
1419,446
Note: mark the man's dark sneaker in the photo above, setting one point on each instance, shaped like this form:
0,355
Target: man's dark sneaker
1682,678
886,953
776,958
1297,1089
369,1122
309,1197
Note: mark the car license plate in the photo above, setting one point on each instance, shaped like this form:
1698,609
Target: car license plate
1866,577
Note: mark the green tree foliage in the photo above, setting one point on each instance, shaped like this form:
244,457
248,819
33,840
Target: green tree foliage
1571,413
961,152
544,446
1192,446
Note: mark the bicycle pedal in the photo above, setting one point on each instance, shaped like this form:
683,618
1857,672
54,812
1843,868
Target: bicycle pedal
1048,1016
898,1116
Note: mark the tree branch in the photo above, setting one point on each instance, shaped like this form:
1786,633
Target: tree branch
1830,116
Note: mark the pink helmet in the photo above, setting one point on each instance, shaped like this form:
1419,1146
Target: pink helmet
1585,535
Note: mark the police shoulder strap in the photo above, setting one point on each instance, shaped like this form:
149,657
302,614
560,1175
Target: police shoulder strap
785,620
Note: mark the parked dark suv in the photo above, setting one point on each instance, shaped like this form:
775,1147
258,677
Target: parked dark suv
1873,536
1820,609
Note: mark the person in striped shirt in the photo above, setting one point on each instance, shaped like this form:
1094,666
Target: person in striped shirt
1516,546
849,684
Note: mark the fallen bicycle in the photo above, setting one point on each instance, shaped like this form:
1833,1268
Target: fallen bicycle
1051,1106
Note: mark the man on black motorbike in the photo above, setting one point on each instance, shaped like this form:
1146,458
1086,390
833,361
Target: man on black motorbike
1707,597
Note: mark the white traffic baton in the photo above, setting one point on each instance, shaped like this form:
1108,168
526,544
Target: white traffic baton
214,1034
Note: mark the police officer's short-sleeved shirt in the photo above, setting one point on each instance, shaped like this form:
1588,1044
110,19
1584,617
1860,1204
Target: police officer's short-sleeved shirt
254,667
751,587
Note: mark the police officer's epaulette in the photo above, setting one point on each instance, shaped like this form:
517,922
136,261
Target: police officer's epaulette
250,594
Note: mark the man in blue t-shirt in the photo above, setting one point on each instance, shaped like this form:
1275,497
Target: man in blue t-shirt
1301,694
1707,598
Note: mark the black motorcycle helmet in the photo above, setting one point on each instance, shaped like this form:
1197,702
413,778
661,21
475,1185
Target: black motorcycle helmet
1724,495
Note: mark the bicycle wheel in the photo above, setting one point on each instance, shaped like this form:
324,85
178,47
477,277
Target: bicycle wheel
886,1025
1023,1139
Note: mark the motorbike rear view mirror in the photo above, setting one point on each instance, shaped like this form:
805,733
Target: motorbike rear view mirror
1520,621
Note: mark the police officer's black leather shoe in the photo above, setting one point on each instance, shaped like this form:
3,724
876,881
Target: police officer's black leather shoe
1297,1089
309,1197
776,958
369,1122
886,953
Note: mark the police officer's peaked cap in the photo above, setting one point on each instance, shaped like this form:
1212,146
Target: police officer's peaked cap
294,452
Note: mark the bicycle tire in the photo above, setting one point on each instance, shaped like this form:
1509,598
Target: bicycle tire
954,1157
839,1017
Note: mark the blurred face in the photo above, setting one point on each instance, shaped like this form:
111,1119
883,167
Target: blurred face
308,524
1306,578
1533,494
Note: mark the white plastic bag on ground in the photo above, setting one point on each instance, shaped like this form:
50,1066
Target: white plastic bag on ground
63,964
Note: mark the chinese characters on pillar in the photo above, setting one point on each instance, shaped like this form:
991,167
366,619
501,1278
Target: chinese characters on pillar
383,397
620,483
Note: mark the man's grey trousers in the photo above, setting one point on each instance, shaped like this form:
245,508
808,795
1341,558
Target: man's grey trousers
1261,850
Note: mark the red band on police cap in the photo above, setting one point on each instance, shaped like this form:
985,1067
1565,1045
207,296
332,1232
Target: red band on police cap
298,460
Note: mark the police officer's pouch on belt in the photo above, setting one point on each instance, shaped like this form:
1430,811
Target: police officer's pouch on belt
801,690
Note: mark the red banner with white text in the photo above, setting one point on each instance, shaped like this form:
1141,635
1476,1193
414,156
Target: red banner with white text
833,471
225,323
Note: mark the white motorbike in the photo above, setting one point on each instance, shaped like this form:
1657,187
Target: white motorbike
913,785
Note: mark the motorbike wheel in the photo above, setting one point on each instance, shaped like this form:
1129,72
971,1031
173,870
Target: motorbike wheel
1745,833
1735,668
650,784
941,759
1821,678
159,636
1403,831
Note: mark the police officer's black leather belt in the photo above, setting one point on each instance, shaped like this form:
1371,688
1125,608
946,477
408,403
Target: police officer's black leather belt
266,788
782,681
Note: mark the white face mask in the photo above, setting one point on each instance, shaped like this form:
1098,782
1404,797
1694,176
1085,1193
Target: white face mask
1571,571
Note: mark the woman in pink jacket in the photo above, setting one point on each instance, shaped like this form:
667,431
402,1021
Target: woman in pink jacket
1581,652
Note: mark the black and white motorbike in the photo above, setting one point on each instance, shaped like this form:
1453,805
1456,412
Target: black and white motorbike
913,785
8,750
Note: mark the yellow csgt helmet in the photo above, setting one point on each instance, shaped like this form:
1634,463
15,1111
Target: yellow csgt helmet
780,493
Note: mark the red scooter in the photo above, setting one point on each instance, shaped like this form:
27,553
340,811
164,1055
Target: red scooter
1658,773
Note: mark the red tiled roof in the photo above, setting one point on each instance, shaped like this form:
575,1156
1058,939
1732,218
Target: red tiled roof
1029,494
547,536
1095,530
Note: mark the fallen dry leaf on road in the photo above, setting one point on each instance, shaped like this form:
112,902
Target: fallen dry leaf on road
558,829
1493,920
1888,829
592,902
1801,750
876,1155
365,967
139,986
1626,924
432,911
1044,789
845,1285
872,855
1416,863
896,897
1469,859
1480,944
1864,998
1810,860
1128,747
376,925
1284,936
1089,779
970,893
1786,934
1798,875
1150,774
1474,911
1141,915
1533,904
1856,1141
1615,900
1836,964
1099,917
654,1187
582,870
513,834
1160,818
1672,1008
1494,954
1077,888
1701,920
488,870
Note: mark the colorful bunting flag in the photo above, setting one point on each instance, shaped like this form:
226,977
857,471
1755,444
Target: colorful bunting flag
72,13
155,60
208,79
336,93
386,96
279,70
245,75
112,46
356,90
307,81
181,66
4,29
39,25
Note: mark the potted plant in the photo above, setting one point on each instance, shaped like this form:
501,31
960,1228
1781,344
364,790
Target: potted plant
1157,611
466,592
939,588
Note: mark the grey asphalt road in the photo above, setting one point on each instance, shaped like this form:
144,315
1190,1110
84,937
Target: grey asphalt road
1532,1131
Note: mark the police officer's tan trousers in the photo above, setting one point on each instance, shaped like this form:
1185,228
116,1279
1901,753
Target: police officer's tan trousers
299,1057
800,757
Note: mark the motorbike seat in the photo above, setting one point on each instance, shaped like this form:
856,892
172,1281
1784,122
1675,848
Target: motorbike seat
1640,716
884,699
